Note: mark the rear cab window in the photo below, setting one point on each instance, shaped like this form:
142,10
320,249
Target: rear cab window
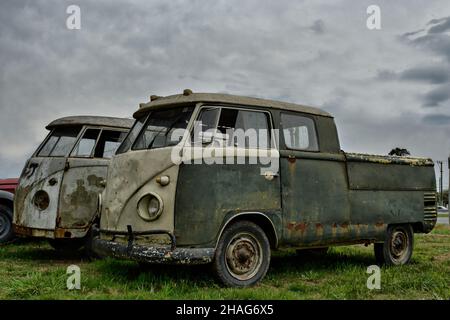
299,132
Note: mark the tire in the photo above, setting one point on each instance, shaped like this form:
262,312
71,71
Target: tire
242,257
6,228
397,248
92,233
67,245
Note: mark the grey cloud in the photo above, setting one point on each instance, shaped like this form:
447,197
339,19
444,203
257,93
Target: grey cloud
318,27
439,25
424,74
386,75
437,96
435,38
437,119
430,74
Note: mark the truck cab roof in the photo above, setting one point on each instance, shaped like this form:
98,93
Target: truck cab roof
91,120
188,97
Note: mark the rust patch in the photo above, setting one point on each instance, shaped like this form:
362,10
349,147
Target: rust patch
22,231
94,180
293,226
301,227
319,229
59,232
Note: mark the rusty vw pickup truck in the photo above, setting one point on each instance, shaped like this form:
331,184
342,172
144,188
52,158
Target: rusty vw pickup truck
57,193
223,179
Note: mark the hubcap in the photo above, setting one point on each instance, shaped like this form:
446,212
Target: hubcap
399,245
243,256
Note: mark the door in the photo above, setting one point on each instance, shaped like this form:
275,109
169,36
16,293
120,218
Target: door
37,195
83,179
231,166
314,187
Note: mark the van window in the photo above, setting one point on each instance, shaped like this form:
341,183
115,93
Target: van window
159,127
108,143
299,132
86,145
60,142
132,134
238,128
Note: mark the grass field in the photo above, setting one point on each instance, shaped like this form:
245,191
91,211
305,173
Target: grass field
32,270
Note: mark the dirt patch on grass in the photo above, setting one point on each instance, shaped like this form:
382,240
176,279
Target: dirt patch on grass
442,257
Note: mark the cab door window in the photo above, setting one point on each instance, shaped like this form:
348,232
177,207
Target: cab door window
87,143
108,143
230,127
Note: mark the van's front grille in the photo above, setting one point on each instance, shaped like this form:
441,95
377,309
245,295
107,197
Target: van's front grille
430,209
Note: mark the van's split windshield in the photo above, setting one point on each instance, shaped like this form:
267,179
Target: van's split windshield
155,129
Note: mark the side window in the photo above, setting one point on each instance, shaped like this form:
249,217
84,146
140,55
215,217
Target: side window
87,143
108,143
299,132
238,128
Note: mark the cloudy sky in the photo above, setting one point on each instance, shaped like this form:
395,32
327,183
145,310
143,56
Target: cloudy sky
386,88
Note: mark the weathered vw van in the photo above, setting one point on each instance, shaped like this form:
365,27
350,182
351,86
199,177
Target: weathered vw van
57,193
185,187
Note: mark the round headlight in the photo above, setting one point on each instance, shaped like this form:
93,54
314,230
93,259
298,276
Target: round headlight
41,200
150,207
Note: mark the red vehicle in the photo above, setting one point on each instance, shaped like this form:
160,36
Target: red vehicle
7,189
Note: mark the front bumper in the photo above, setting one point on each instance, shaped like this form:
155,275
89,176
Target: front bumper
58,233
153,254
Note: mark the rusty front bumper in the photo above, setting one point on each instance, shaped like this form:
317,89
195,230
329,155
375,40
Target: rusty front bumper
58,233
152,254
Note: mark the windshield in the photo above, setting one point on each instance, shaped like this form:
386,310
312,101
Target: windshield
60,142
155,130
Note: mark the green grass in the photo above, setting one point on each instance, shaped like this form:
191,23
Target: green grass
32,270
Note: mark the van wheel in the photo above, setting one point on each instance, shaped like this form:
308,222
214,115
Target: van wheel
242,256
91,234
66,245
397,248
6,230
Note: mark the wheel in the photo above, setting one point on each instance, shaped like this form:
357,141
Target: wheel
6,229
397,248
67,245
242,256
91,234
